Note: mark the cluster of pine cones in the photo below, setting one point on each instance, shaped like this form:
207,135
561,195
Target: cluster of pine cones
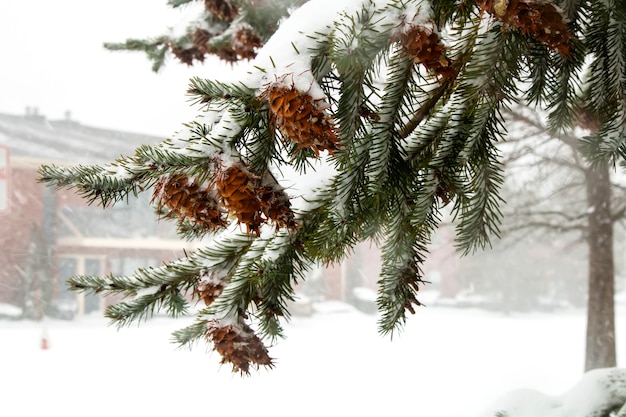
234,190
538,19
243,44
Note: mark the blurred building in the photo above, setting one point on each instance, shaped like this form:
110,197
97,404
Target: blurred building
47,235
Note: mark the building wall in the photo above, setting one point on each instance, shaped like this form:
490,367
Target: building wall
25,210
362,269
33,204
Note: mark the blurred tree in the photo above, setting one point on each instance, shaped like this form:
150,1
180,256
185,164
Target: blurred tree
36,276
556,190
378,113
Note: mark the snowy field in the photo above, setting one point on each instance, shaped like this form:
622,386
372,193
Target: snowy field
447,363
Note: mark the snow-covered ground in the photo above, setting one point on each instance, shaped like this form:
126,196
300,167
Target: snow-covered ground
448,362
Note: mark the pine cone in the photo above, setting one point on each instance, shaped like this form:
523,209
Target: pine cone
224,10
188,201
276,206
187,55
245,42
301,118
201,38
538,19
209,287
424,46
238,345
236,187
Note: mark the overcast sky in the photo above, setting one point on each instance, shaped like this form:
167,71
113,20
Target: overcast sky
53,59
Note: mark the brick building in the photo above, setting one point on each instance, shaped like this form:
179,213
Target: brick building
47,235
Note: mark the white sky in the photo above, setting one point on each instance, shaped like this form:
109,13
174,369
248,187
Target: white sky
53,59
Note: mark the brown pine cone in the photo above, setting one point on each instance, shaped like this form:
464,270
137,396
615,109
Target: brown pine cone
301,118
238,345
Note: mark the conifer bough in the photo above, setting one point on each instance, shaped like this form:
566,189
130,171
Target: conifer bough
356,120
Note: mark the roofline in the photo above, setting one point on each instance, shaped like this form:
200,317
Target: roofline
34,162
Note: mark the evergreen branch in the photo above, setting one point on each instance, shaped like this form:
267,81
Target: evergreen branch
283,265
129,175
353,66
445,11
427,107
606,93
143,307
497,66
189,335
563,97
207,90
186,229
264,277
155,49
354,54
321,65
445,87
479,209
540,63
325,237
151,289
405,153
93,182
384,130
241,290
479,212
258,143
402,255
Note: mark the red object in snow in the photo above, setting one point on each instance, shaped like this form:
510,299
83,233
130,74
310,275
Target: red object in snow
45,344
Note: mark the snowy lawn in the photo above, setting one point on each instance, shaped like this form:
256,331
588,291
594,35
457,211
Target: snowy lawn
447,363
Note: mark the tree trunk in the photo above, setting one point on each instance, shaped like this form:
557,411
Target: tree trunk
600,347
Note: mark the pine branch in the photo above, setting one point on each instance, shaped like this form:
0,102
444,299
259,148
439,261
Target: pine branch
154,48
93,182
207,91
279,271
325,237
113,183
387,123
479,211
169,300
427,107
191,334
402,254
